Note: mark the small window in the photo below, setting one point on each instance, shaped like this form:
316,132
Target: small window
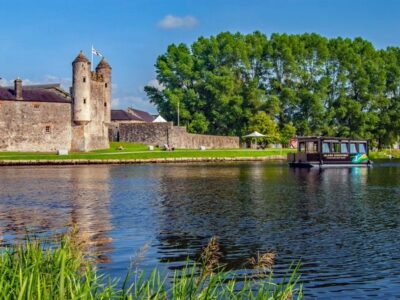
302,147
353,148
362,148
343,148
312,147
48,129
336,148
84,101
84,79
106,85
326,148
36,106
105,104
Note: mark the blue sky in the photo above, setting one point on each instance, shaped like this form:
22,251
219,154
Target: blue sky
41,38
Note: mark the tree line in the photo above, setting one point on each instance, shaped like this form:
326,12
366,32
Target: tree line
282,85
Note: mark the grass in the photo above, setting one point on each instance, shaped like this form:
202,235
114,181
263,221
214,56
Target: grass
61,271
385,154
139,151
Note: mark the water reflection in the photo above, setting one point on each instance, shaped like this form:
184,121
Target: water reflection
341,223
48,201
90,213
331,220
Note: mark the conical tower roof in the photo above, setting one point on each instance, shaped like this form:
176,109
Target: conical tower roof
80,58
103,64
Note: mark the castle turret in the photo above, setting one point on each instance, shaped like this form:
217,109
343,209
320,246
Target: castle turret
104,69
81,89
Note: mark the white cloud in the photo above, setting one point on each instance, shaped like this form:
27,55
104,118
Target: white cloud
65,82
115,103
174,22
10,82
6,82
156,84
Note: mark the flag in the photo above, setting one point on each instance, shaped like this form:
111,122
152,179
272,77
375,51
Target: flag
95,52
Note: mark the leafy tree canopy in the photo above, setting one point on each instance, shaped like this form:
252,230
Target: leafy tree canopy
306,84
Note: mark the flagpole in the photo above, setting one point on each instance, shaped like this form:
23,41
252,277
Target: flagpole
92,59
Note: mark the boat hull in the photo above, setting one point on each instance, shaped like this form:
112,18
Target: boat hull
331,165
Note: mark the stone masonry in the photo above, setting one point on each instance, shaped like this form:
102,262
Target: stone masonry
46,119
29,126
160,134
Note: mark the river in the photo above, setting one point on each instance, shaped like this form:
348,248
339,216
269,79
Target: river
342,224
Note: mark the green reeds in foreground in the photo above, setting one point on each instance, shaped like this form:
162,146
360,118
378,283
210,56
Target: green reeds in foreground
38,271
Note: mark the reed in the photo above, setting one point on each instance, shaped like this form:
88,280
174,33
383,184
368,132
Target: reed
37,270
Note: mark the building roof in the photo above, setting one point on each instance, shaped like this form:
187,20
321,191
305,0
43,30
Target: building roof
80,58
122,115
33,94
103,64
43,86
144,116
159,119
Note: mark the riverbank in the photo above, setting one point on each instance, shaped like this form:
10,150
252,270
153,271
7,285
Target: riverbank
64,271
136,161
126,153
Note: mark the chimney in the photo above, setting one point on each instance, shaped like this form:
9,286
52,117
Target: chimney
18,89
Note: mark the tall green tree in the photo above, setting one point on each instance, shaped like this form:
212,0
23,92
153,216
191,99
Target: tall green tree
319,86
264,124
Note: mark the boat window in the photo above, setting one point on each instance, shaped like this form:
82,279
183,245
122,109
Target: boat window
336,147
312,147
302,147
362,148
325,148
343,148
353,148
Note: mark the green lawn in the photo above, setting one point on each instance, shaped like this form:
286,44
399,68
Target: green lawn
139,151
385,154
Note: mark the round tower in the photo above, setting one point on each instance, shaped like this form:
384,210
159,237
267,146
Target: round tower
81,89
104,69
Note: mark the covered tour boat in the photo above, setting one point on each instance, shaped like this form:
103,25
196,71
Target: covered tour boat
329,152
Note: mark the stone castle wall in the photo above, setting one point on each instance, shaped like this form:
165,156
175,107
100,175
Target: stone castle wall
48,124
94,134
159,134
97,131
156,134
183,140
24,124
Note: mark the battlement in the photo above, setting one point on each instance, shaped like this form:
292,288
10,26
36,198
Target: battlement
91,104
96,77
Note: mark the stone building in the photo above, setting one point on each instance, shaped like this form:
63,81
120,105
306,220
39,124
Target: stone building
45,118
165,133
136,126
131,115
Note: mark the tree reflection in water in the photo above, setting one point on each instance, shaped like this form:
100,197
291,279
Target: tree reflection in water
60,198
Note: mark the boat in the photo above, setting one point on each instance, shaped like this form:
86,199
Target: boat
321,152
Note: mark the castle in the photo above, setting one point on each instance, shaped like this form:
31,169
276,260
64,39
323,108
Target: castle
45,118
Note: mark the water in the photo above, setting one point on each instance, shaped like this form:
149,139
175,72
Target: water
343,224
